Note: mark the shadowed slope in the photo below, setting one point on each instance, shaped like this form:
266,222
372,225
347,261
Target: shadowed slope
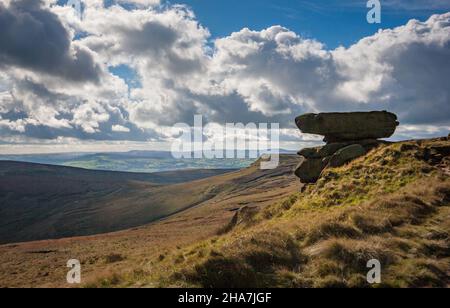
44,201
123,250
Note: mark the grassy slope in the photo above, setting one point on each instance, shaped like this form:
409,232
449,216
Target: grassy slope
43,201
392,205
41,264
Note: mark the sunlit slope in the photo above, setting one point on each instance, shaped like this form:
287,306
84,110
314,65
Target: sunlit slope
392,205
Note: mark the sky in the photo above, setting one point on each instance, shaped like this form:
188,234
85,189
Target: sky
121,75
332,22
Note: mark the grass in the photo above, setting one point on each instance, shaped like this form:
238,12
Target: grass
390,205
147,247
260,231
114,258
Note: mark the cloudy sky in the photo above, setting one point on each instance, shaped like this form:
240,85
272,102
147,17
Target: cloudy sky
123,74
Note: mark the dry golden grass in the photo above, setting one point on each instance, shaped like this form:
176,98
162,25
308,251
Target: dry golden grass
392,205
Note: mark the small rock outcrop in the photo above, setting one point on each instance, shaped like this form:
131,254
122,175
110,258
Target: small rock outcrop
348,136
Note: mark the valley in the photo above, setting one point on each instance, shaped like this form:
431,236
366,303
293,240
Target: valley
44,201
211,204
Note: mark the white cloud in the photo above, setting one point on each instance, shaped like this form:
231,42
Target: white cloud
249,76
89,117
120,129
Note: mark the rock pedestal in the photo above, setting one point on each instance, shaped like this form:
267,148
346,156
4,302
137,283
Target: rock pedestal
348,136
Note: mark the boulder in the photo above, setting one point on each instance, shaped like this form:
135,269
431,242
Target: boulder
341,127
321,152
331,148
367,144
346,155
309,169
309,152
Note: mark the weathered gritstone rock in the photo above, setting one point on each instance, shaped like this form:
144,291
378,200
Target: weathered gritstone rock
346,155
331,148
309,169
348,136
337,127
315,160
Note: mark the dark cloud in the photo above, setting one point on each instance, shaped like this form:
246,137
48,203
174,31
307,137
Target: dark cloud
155,40
233,109
421,92
153,37
34,38
64,109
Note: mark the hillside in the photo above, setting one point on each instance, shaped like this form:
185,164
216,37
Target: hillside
44,201
259,230
392,205
223,194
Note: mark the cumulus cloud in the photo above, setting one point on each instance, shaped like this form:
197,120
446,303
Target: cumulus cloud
249,76
141,3
120,129
33,38
402,69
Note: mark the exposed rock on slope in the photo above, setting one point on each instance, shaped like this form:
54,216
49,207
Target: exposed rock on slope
348,136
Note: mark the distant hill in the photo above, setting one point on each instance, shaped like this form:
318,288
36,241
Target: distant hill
135,161
44,201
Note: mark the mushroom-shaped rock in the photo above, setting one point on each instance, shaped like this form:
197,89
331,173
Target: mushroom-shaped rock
341,127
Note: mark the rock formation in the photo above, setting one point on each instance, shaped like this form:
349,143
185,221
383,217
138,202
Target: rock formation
337,127
348,136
